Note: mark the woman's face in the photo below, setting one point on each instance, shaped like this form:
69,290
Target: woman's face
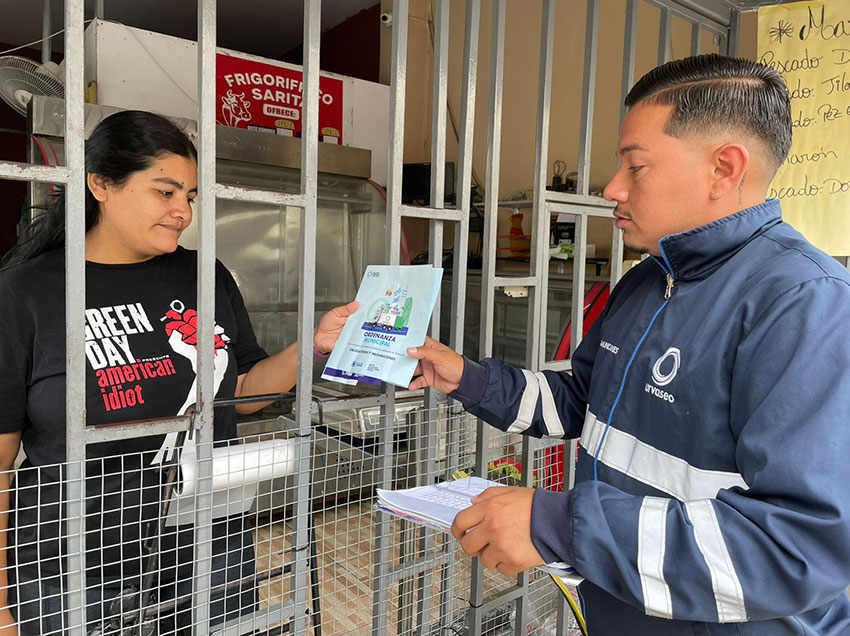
145,216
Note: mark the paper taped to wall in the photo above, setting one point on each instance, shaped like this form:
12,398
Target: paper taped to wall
808,43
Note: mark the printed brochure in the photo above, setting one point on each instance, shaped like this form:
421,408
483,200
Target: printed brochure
395,309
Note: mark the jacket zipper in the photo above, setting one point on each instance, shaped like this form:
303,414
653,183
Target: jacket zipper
668,292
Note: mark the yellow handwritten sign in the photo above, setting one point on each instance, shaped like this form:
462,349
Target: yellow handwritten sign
808,43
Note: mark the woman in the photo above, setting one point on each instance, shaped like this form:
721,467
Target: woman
141,177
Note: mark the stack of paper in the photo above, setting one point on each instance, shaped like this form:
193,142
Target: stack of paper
395,309
436,507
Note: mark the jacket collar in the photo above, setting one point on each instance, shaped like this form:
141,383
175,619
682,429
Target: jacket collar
696,253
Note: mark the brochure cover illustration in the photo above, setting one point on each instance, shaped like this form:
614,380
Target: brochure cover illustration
395,309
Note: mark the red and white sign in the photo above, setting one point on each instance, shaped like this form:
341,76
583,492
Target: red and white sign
267,98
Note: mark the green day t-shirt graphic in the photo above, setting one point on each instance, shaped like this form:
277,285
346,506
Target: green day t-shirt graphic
136,360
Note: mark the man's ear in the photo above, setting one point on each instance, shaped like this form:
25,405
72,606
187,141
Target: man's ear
730,162
98,186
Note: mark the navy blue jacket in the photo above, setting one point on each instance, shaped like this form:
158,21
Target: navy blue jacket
712,399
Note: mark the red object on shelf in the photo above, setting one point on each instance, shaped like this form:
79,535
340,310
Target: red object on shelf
594,303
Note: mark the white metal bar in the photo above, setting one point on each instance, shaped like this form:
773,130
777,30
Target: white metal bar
491,193
714,19
464,180
306,307
488,268
696,38
46,28
441,214
629,47
203,422
734,33
132,430
395,158
519,281
591,206
539,257
664,35
579,269
439,94
616,262
577,199
237,193
591,41
18,171
75,294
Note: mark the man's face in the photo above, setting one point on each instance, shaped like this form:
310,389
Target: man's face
662,182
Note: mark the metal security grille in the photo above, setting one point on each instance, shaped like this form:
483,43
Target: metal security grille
310,555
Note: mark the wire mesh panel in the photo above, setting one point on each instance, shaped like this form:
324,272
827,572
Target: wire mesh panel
140,526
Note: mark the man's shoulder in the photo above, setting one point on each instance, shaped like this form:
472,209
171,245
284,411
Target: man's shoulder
784,255
781,263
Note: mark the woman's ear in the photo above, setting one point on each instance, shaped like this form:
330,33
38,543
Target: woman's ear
98,186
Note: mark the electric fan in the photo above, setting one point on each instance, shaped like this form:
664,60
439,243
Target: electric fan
21,78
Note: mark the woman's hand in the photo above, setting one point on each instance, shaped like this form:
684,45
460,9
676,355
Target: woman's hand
7,623
330,326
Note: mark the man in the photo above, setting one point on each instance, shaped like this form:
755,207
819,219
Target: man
711,396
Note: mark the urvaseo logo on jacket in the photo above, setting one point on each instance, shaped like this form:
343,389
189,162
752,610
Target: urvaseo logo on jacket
663,373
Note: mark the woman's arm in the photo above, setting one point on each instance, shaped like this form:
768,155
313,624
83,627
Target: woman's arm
277,373
10,444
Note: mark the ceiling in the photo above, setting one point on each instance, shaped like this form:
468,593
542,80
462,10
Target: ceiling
268,28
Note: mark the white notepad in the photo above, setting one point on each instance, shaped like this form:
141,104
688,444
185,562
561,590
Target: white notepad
436,507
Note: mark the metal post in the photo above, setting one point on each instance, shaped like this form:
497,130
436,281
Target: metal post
629,46
588,96
203,417
696,38
734,33
75,303
488,269
579,268
438,176
438,156
664,35
461,247
464,177
538,296
491,191
45,31
306,307
386,426
539,269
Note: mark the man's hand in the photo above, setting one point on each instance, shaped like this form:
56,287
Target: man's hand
497,529
439,366
330,326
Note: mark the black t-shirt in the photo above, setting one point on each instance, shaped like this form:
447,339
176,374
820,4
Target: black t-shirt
140,364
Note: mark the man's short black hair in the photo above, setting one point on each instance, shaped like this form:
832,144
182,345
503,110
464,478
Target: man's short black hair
715,92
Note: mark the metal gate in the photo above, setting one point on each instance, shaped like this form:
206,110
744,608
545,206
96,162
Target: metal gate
323,565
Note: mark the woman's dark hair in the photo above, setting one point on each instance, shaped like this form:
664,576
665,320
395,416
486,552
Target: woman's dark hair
122,144
714,92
